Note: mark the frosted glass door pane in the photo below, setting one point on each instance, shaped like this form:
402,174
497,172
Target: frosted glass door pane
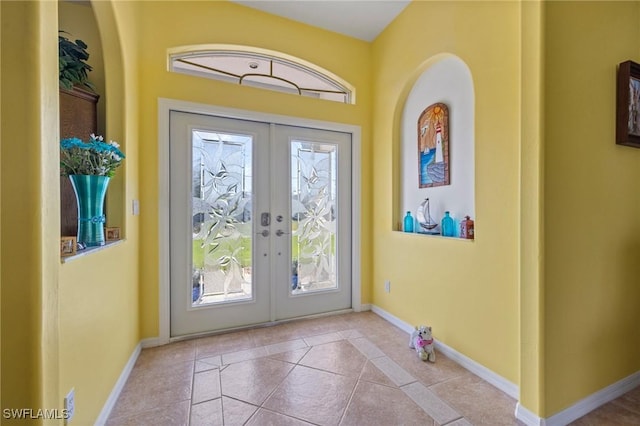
222,227
314,224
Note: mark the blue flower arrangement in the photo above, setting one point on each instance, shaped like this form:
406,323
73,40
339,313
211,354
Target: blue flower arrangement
94,157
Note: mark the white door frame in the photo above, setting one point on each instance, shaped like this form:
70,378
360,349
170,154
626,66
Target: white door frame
164,108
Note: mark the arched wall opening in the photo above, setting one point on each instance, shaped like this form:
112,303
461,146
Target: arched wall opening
447,80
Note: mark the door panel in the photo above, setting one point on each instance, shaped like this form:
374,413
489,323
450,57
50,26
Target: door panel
260,222
215,244
318,241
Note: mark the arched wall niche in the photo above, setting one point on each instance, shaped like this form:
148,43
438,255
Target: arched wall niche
443,78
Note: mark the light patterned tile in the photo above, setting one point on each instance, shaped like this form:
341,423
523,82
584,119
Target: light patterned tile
373,404
430,403
287,346
367,348
371,373
460,422
323,338
350,334
206,386
397,374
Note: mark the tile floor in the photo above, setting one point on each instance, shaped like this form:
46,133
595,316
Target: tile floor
351,369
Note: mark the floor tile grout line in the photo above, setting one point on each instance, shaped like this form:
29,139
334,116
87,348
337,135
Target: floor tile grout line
221,394
276,388
285,415
193,379
353,391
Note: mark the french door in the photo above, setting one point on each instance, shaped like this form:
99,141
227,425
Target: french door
260,222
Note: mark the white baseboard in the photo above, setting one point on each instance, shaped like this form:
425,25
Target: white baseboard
152,342
364,307
528,417
479,370
117,388
582,407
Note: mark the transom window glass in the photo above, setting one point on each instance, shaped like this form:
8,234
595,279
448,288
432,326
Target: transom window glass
264,69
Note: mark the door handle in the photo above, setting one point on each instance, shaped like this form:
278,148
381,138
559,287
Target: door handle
265,233
280,232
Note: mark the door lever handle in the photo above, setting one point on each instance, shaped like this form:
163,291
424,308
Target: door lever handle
265,233
280,232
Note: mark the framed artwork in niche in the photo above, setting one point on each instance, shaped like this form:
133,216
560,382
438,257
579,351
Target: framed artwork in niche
433,146
628,105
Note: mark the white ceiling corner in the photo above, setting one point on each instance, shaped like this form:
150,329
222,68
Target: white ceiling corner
361,19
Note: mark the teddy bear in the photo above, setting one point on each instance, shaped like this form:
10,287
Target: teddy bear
422,341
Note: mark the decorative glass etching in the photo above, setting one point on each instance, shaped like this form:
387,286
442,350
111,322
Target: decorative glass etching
222,237
314,225
262,68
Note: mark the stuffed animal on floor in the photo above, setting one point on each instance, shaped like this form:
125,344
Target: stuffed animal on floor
422,341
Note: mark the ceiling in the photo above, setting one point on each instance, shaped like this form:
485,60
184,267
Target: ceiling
362,19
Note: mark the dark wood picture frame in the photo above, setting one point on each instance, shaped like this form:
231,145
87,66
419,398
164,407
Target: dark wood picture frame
628,105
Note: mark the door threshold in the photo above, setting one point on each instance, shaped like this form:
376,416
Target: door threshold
259,325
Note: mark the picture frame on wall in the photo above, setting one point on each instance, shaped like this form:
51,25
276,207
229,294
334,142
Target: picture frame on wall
433,146
112,233
628,105
67,246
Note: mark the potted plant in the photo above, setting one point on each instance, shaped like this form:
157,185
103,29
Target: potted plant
89,166
72,57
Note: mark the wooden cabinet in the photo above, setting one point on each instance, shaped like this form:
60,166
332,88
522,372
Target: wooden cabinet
78,118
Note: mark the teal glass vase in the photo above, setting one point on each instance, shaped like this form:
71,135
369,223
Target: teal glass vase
90,192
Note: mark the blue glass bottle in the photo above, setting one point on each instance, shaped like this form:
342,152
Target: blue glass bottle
408,222
448,225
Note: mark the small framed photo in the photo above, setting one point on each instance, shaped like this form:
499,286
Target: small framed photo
112,234
628,105
67,246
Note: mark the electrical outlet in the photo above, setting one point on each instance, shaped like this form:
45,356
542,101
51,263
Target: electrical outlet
135,207
70,405
387,286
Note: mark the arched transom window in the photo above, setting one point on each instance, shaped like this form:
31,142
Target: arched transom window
261,68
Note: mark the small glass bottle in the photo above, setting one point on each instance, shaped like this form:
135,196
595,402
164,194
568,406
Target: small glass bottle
408,222
466,228
448,225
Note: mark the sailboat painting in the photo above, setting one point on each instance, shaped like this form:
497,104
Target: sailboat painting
433,146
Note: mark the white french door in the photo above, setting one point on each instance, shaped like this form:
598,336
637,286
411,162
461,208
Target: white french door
260,222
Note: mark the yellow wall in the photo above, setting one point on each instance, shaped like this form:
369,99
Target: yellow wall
467,291
225,22
592,203
30,238
531,209
99,292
